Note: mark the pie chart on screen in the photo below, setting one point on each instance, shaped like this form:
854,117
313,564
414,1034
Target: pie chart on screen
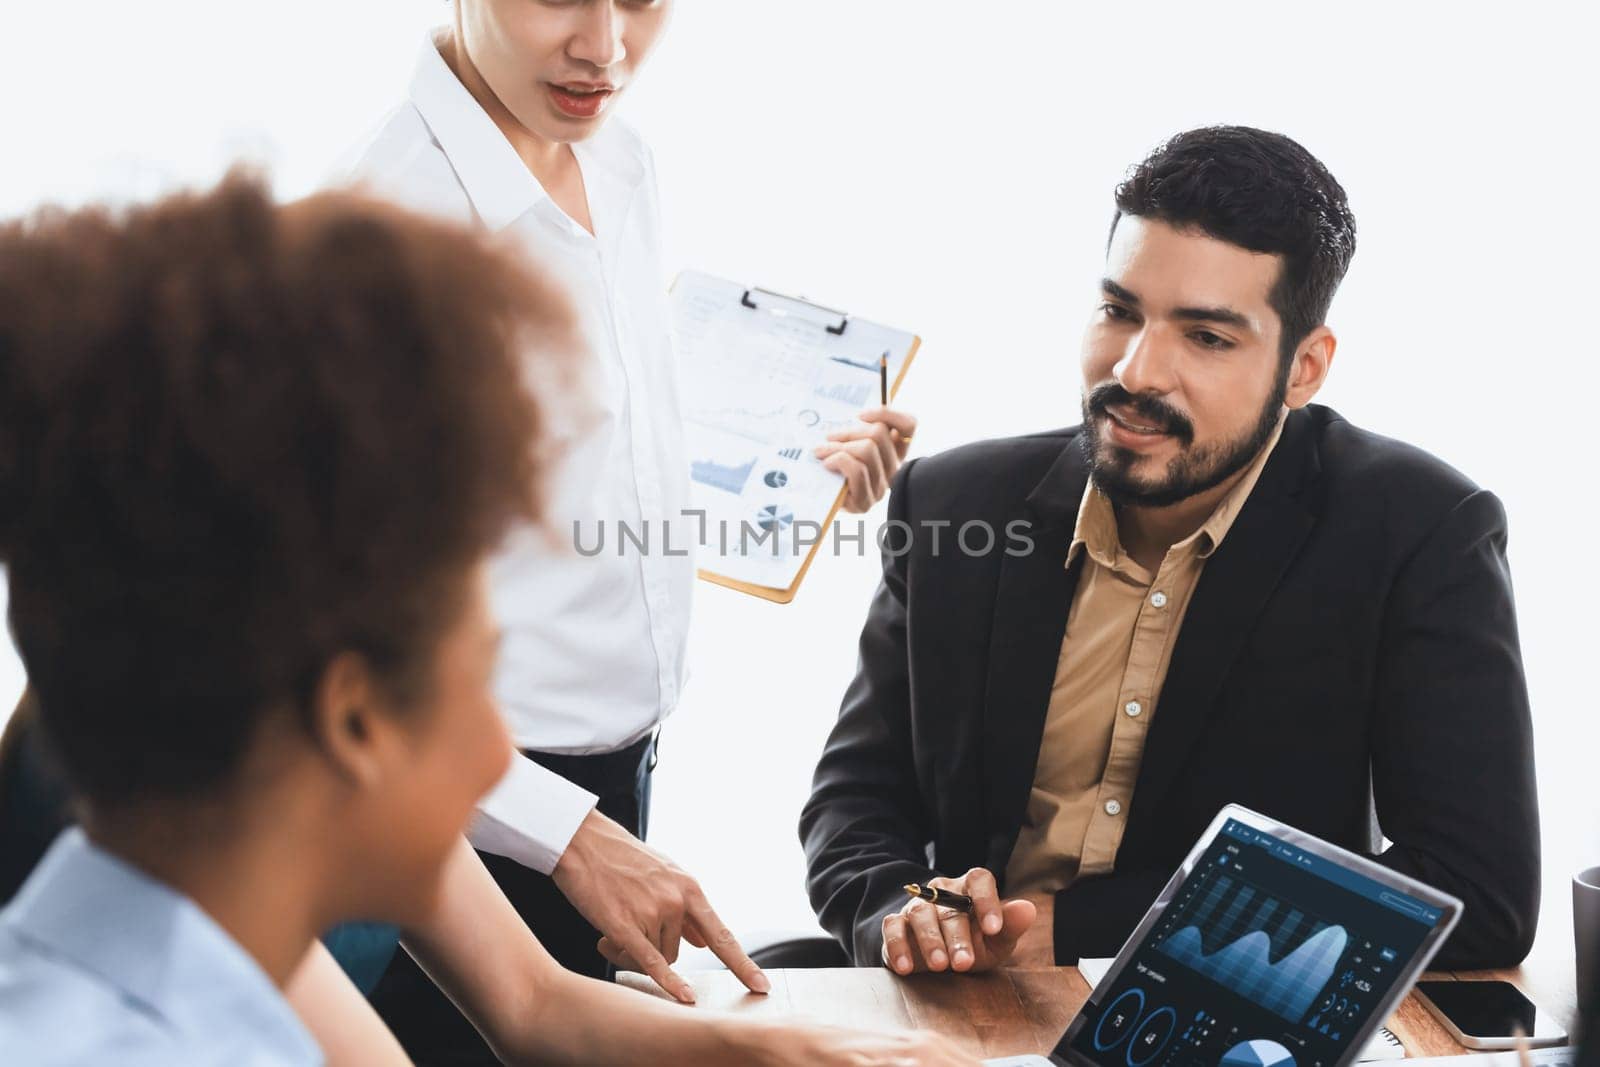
1257,1054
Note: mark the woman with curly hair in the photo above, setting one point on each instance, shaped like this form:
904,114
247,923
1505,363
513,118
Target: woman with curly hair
252,460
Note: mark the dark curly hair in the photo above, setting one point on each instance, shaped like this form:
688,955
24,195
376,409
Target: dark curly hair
236,440
1261,191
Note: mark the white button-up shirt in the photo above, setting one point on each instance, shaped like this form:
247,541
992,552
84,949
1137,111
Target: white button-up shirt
99,963
593,653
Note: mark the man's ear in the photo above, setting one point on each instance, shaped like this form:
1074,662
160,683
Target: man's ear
347,723
1312,360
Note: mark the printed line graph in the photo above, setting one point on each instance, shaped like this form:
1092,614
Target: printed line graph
762,425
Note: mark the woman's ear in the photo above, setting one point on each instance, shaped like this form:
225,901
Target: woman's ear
347,723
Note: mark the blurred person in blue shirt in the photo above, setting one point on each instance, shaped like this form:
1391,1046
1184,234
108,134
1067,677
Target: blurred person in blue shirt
262,659
251,462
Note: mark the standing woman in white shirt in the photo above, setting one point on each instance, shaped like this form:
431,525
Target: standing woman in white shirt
507,124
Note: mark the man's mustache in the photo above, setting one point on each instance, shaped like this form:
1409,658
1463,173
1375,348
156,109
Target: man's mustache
1152,410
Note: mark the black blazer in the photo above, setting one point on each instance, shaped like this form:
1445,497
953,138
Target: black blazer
1351,644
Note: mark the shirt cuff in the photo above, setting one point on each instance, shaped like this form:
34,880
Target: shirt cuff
530,816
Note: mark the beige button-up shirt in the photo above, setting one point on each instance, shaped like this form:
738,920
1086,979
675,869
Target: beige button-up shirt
1121,629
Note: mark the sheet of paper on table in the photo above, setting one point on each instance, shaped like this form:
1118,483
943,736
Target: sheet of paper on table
1538,1057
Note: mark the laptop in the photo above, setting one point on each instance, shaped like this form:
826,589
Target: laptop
1268,948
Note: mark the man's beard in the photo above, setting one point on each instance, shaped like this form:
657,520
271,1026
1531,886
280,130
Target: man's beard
1192,471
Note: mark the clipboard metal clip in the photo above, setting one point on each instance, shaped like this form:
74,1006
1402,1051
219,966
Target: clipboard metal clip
837,329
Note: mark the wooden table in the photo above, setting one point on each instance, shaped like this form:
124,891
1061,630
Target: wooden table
1013,1012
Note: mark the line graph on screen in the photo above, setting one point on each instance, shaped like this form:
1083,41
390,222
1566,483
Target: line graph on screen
1252,943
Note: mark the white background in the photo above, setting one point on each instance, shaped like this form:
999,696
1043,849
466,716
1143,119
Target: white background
947,167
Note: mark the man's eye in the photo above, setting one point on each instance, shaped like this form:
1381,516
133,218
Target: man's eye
1116,312
1207,339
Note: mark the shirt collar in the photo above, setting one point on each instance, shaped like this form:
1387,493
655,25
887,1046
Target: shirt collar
498,183
495,178
1096,529
156,947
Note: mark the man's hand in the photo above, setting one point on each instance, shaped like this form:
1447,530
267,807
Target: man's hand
925,937
643,904
869,455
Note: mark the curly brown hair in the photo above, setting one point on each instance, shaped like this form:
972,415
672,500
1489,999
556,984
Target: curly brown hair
238,439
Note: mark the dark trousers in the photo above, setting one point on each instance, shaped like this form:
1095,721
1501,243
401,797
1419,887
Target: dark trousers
430,1028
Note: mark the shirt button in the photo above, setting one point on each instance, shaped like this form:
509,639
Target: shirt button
1158,600
1134,710
1113,807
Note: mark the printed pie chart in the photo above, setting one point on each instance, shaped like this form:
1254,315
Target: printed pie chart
1258,1053
774,518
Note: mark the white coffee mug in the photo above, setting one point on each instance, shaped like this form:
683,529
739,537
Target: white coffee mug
1586,935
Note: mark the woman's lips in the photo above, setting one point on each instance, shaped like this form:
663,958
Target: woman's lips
579,101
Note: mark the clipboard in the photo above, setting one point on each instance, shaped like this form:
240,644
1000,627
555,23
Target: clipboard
764,378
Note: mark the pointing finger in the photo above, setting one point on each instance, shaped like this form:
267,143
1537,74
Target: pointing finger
653,963
720,940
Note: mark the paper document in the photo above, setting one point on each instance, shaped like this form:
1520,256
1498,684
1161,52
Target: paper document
761,387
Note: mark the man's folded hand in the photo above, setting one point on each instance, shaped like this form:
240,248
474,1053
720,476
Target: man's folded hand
925,937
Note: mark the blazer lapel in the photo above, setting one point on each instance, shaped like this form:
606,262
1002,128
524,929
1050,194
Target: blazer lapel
1032,599
1233,588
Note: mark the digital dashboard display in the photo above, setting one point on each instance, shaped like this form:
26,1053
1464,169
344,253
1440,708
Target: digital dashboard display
1267,956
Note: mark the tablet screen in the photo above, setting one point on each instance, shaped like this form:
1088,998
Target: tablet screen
1267,956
